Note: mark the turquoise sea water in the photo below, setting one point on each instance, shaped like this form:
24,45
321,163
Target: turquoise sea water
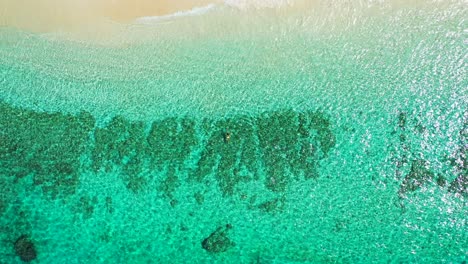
332,135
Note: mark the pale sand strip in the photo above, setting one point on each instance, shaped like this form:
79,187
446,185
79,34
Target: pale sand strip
50,15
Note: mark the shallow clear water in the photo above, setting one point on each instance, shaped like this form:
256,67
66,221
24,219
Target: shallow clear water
331,135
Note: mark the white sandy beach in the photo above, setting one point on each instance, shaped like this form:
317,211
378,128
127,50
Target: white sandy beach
50,15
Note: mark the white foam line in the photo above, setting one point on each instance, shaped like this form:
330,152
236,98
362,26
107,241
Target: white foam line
193,12
257,4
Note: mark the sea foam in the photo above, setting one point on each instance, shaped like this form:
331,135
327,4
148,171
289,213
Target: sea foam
257,4
192,12
237,4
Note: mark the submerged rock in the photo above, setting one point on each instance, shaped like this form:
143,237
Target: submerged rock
218,241
25,249
460,185
402,120
441,181
272,205
417,177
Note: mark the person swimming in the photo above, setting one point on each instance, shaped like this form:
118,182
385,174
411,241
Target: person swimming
227,137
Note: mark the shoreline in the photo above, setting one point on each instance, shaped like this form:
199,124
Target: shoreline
46,16
50,15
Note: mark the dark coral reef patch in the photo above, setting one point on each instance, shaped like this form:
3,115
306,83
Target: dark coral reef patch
218,241
44,145
274,148
25,249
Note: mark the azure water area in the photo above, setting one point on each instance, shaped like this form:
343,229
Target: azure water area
329,132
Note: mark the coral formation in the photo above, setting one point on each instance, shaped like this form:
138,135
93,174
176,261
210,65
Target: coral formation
25,249
218,241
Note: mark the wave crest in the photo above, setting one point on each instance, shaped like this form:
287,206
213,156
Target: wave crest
258,4
192,12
